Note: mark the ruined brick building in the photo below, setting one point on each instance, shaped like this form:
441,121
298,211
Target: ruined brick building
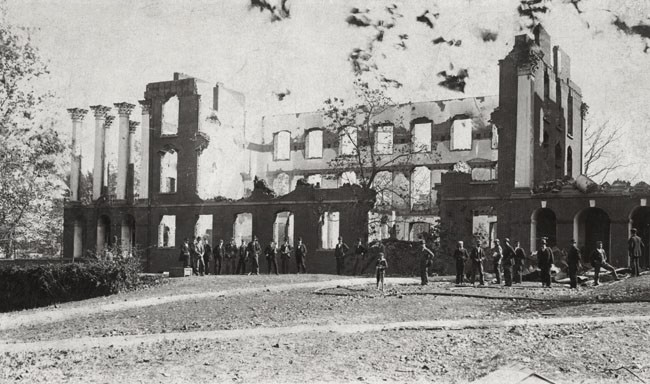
196,172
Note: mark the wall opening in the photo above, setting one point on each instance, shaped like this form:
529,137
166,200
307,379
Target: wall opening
283,227
170,117
484,226
329,230
203,228
382,185
103,233
569,162
77,245
243,227
168,171
281,184
127,235
559,162
384,140
282,145
167,232
591,225
315,179
543,223
418,230
422,137
348,141
640,219
349,177
461,135
570,116
421,188
314,144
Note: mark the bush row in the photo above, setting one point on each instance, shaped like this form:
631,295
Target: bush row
31,286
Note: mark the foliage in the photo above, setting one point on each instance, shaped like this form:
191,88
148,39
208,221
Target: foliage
30,286
31,160
600,157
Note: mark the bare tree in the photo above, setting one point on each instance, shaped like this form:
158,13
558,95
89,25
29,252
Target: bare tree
600,157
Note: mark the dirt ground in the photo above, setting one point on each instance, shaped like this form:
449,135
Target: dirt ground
310,328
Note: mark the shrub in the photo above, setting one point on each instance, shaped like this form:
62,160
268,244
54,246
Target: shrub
23,287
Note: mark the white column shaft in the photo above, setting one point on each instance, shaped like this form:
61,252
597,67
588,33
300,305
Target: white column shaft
122,156
100,156
76,161
144,162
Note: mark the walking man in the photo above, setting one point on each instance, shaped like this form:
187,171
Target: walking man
477,255
207,255
301,255
340,251
545,262
426,260
497,255
635,251
271,252
243,258
359,252
253,254
573,260
461,256
599,260
285,255
508,262
218,257
520,260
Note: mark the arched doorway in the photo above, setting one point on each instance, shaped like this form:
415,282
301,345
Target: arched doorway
543,224
103,234
283,227
128,235
640,219
243,227
591,225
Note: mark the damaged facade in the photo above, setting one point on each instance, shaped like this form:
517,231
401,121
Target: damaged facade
197,170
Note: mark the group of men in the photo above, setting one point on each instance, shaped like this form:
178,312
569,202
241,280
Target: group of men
511,261
232,259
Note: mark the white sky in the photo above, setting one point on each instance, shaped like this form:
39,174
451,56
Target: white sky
102,52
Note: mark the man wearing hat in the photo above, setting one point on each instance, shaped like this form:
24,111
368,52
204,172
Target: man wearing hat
520,260
573,260
508,262
544,262
497,255
635,250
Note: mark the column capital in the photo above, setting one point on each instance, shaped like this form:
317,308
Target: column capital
77,114
146,106
109,121
124,109
100,111
133,125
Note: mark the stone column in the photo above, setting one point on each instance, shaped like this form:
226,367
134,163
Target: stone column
144,147
100,112
124,110
77,115
107,124
133,126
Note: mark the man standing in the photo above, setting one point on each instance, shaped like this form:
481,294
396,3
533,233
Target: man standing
285,255
520,260
301,256
218,257
599,260
573,260
477,255
508,262
340,251
186,257
243,258
635,251
359,252
497,255
545,262
194,256
271,252
200,251
426,260
461,256
229,257
253,253
207,255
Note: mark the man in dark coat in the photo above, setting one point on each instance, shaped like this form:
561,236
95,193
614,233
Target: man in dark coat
520,260
635,251
573,260
461,256
285,255
599,260
508,262
230,257
194,257
545,262
243,258
218,257
186,257
207,255
359,253
426,260
477,256
340,251
301,256
271,252
497,255
253,254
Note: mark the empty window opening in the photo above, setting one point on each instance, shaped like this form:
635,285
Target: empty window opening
569,162
382,185
168,171
282,145
315,179
243,227
127,232
314,144
283,227
203,228
170,117
384,140
103,234
348,141
559,161
422,137
420,188
78,244
167,232
419,230
461,135
484,229
281,184
349,177
547,85
495,136
329,229
570,116
329,181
